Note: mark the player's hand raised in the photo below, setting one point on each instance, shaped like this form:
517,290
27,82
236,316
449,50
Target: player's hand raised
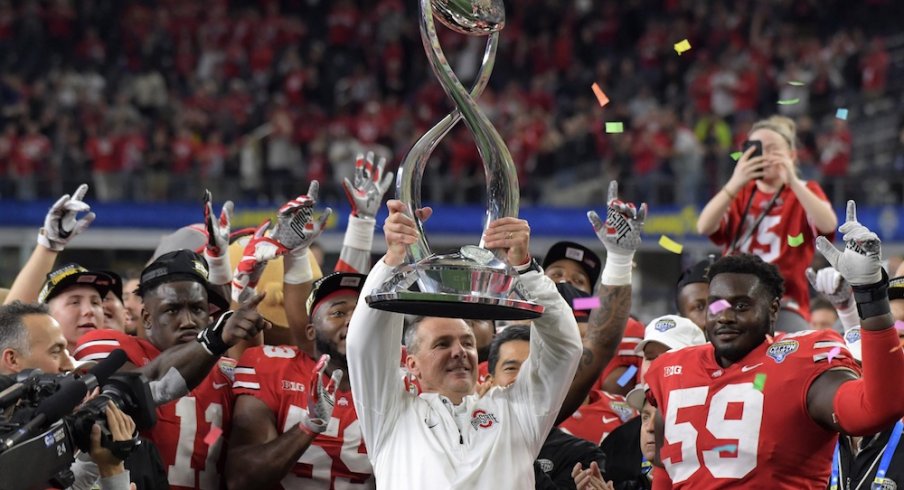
321,398
369,188
621,231
861,261
832,285
296,227
61,224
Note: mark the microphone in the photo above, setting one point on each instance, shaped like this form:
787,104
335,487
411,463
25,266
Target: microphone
12,392
50,410
100,373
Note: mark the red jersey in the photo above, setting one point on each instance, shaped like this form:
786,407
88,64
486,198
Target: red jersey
183,424
723,429
279,377
597,419
625,355
786,221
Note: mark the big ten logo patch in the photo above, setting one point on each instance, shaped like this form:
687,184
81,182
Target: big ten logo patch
671,370
480,419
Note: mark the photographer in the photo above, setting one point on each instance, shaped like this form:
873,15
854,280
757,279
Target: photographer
104,467
31,339
765,209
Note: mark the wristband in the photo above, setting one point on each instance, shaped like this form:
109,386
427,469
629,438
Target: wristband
617,271
360,233
849,317
211,338
531,265
896,288
872,299
297,267
311,426
220,272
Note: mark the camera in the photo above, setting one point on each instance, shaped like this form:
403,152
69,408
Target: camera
41,426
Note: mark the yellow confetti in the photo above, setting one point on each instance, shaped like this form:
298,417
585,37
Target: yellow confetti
600,95
796,83
670,245
682,46
736,155
789,102
796,241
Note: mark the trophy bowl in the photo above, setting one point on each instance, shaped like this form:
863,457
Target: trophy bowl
471,17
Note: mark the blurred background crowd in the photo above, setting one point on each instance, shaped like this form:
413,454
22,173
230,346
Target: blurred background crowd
153,100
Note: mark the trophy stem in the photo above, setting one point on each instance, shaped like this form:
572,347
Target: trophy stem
502,180
411,172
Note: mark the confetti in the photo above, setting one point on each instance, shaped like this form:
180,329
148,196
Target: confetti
898,347
899,325
586,303
600,95
730,448
719,306
759,381
682,46
615,127
670,245
769,339
841,113
796,83
833,353
736,155
213,435
796,241
627,376
789,102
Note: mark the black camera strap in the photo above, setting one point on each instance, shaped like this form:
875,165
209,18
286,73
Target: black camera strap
736,238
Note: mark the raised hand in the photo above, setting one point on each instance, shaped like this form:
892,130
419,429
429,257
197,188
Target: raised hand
295,224
259,250
321,398
243,323
217,228
368,189
61,224
400,231
512,235
621,231
748,168
829,282
861,261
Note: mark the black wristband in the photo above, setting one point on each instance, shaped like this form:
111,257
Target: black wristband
896,288
534,266
872,299
211,338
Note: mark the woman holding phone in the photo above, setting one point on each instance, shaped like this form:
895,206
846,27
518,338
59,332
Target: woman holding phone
767,210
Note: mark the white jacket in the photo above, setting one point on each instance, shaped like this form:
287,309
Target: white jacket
424,442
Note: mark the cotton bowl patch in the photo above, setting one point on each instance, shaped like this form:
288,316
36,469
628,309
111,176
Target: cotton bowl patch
782,349
665,324
852,336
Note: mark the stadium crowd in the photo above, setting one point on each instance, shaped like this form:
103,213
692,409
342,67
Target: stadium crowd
143,99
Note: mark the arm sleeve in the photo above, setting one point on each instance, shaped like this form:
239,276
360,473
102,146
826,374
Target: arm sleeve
373,343
555,349
867,405
356,246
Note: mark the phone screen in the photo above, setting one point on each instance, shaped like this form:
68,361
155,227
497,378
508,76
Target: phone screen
759,148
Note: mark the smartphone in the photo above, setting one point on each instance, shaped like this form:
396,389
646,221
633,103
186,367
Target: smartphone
756,143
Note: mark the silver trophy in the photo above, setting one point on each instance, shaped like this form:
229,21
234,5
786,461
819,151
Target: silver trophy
474,282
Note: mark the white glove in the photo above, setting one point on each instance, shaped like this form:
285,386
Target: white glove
861,262
620,234
830,284
295,227
217,248
61,225
321,399
366,194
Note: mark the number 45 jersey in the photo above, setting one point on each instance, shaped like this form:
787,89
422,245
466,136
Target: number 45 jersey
747,425
280,377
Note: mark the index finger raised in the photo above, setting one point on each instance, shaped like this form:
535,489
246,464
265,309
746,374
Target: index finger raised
613,192
851,211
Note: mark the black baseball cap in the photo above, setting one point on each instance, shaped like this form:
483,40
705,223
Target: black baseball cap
328,285
587,258
74,275
698,272
180,265
116,286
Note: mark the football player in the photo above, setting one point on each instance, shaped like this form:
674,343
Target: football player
749,410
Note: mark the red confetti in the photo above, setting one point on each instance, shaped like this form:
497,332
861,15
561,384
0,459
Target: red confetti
211,438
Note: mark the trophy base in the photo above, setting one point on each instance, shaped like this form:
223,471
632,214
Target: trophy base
470,284
465,306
